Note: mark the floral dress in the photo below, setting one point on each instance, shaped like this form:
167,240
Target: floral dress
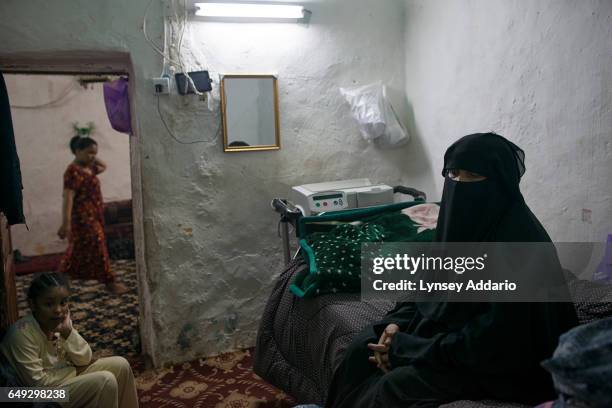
87,255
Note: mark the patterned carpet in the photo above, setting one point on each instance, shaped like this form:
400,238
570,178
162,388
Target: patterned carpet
226,381
110,324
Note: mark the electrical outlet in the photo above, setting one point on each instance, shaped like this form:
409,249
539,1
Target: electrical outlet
161,86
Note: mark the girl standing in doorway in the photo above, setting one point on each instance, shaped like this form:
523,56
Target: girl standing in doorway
83,218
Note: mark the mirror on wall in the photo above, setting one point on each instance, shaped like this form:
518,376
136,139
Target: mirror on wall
249,106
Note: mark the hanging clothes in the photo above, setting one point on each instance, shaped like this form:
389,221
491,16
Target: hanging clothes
448,351
117,103
11,198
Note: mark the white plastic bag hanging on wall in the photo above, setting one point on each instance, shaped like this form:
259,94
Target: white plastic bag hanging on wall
377,119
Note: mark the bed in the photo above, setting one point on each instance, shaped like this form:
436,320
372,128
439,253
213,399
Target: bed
301,341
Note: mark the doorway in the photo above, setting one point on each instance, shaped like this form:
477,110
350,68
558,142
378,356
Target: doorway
55,84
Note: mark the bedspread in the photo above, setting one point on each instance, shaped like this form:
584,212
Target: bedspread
301,341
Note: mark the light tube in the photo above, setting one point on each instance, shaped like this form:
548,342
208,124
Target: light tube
244,10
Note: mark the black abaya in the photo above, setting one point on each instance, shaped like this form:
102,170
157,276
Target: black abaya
451,351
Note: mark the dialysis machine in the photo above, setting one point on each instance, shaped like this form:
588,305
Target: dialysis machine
316,198
319,198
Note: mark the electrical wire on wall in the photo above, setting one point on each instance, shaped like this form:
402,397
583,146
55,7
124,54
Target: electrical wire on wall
71,86
178,62
174,60
154,46
211,140
183,26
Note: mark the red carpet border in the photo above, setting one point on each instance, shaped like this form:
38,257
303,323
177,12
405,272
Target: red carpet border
225,381
41,263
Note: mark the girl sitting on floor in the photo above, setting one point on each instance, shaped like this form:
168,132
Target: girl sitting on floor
46,351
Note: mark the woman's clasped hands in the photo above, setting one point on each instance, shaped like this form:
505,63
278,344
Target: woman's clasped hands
381,349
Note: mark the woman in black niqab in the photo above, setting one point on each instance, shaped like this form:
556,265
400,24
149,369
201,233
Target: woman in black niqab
455,351
492,209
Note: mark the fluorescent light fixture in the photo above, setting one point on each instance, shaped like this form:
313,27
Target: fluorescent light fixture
249,10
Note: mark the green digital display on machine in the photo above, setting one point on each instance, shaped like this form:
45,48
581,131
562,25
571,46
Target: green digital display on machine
325,197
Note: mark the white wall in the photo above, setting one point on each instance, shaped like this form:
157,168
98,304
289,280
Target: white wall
220,250
42,136
210,236
538,72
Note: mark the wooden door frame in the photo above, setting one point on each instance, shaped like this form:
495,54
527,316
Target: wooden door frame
105,63
8,316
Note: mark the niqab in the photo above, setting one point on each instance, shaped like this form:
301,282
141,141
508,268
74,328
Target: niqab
447,351
491,210
472,211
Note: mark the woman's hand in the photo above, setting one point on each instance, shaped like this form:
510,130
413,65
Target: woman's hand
381,350
380,357
64,231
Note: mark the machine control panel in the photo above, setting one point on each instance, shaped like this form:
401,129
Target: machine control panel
328,201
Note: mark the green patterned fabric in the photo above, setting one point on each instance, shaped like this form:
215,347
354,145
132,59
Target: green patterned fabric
334,257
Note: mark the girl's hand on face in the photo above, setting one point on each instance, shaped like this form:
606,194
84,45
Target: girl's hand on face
99,166
65,327
64,232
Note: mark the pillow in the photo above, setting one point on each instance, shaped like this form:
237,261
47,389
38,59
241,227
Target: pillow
334,257
581,366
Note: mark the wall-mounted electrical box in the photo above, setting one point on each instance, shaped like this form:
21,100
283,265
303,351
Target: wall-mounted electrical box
161,86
